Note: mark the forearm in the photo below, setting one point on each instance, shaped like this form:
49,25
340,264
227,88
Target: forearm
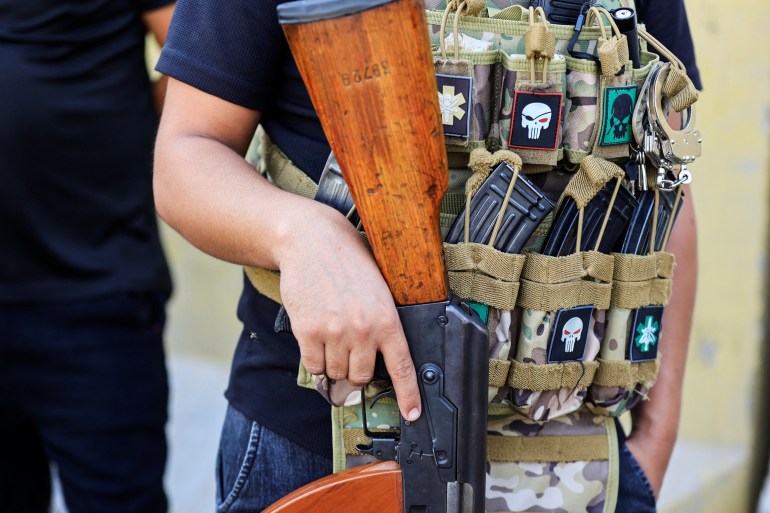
656,421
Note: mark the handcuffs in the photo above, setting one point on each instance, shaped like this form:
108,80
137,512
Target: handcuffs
671,151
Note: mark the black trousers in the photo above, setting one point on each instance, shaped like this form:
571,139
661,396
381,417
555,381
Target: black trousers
83,385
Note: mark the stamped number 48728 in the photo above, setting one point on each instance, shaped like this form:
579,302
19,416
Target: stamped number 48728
370,72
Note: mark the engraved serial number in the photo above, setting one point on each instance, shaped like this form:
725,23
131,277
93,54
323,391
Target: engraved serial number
369,72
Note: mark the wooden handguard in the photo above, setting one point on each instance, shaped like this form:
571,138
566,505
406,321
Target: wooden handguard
369,71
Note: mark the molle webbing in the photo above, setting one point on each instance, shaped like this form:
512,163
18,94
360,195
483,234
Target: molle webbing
480,272
625,374
552,283
642,280
519,448
540,377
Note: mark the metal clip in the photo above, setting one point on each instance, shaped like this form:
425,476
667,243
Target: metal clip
665,184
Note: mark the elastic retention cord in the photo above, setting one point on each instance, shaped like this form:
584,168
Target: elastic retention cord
657,45
654,228
503,207
579,231
607,214
467,227
351,213
456,27
582,373
670,224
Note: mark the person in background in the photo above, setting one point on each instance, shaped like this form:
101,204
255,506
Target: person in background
83,278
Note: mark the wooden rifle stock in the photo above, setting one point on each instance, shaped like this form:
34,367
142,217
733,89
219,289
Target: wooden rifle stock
370,76
369,71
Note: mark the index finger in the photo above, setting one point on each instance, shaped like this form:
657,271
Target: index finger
399,363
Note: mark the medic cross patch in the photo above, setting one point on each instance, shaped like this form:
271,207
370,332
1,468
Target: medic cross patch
454,100
536,120
645,334
570,334
618,108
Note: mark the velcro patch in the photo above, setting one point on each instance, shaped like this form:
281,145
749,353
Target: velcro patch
618,110
454,100
536,120
570,334
645,333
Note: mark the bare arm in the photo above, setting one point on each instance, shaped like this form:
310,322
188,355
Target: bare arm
157,22
341,309
656,421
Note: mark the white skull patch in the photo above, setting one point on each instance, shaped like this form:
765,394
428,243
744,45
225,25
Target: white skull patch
536,117
571,333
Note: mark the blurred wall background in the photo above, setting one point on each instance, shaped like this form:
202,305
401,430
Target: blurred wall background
721,458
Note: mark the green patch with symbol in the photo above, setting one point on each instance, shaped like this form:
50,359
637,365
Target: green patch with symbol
645,335
618,110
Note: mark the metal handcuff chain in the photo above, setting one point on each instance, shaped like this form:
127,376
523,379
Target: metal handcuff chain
664,147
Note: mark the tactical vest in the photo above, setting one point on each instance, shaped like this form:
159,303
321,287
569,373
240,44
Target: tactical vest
552,442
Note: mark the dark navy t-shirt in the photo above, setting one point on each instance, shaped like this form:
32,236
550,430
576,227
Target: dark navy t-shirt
236,50
77,126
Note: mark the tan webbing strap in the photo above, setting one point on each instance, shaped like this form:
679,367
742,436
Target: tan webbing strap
283,172
642,280
498,372
552,283
625,374
519,448
285,175
547,448
483,274
592,175
551,376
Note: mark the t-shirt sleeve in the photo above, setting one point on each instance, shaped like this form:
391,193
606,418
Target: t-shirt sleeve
667,21
231,49
151,5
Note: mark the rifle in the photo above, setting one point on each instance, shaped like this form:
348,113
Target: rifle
369,71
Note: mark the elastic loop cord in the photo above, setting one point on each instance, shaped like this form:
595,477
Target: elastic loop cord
593,12
503,207
654,228
579,238
442,30
657,45
351,213
670,223
462,6
467,227
607,214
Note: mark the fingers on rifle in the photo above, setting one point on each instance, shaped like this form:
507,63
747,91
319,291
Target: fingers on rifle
403,375
336,361
361,367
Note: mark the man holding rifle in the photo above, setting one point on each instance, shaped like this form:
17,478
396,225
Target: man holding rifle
231,70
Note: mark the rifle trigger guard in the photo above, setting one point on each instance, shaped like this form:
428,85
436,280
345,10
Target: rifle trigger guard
384,443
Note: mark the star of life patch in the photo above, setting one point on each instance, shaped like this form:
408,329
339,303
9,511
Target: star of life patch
645,334
454,100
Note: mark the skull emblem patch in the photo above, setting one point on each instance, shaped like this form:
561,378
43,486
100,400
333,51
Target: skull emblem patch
536,119
570,334
618,109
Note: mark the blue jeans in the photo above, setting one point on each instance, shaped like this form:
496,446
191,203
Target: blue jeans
83,385
256,467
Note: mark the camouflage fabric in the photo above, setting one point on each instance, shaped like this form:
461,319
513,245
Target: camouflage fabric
581,107
533,348
549,486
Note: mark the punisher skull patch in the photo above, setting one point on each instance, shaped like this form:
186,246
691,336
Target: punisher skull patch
645,334
618,109
570,334
454,100
536,120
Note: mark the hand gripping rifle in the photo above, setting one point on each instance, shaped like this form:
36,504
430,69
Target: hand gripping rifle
368,68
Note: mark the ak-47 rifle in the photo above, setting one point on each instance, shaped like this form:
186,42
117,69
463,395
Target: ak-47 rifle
368,68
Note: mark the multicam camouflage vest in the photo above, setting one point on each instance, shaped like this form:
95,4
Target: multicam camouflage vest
552,442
